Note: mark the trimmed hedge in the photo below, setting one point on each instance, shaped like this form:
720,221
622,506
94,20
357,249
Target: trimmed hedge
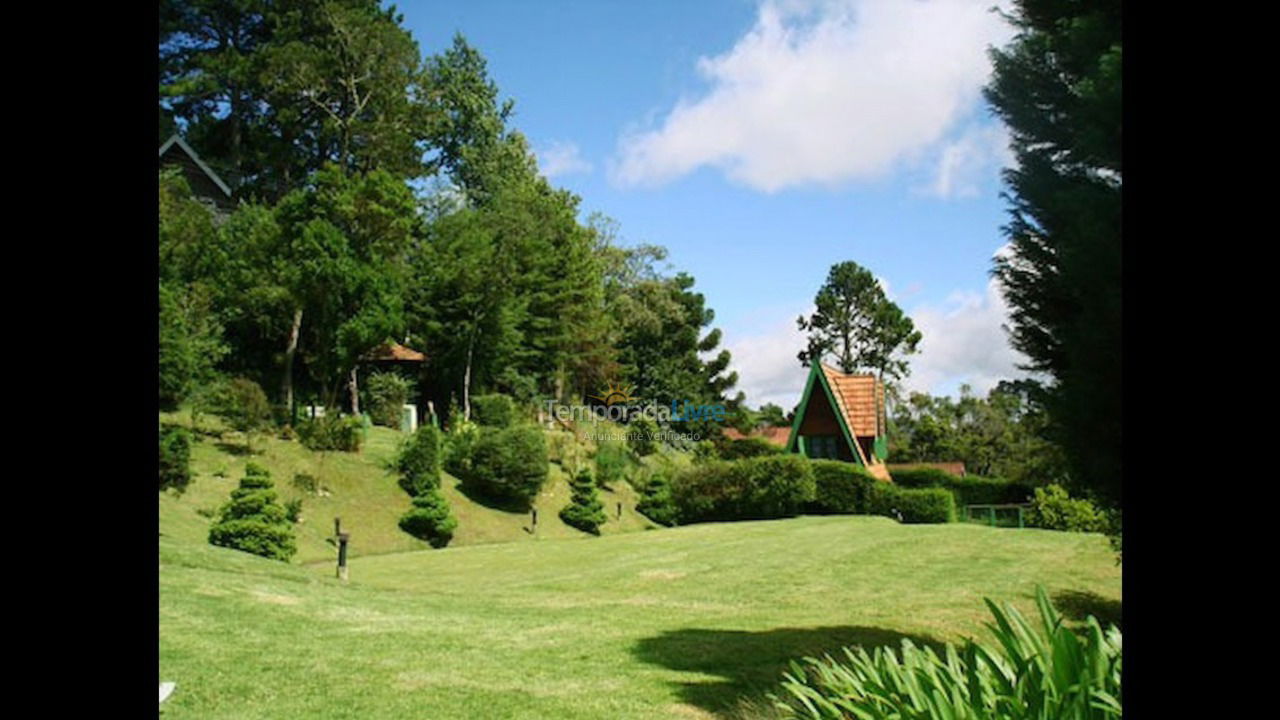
919,505
419,461
840,488
752,489
495,410
968,489
509,463
657,503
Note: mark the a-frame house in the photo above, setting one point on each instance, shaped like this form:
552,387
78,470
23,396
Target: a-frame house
841,416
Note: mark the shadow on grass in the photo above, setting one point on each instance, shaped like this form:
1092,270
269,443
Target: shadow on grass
237,449
751,663
503,504
1077,605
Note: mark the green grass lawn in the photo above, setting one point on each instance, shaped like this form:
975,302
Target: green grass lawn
690,622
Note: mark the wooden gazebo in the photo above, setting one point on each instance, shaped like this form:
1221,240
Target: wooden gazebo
388,354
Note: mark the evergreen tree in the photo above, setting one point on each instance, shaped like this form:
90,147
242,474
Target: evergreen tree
584,511
1058,88
856,321
253,521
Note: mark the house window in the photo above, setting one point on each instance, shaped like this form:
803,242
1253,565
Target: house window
821,446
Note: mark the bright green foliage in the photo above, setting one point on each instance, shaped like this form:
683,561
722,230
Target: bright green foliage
293,510
419,461
191,342
584,510
748,447
1058,87
459,444
509,463
657,503
332,432
642,436
1035,672
856,321
923,505
752,489
386,394
613,464
841,487
494,410
430,519
175,458
243,404
1053,509
253,521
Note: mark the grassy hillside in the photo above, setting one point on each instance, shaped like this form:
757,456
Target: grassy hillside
361,489
678,623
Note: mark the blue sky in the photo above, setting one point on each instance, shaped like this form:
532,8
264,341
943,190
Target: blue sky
761,142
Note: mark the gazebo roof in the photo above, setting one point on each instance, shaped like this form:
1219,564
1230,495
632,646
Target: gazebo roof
394,352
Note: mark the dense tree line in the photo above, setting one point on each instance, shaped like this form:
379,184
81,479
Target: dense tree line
384,195
1000,435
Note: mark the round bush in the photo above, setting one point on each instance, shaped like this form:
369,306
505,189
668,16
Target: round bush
509,463
1053,509
494,410
386,394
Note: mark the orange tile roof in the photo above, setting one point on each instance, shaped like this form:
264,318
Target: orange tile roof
857,397
395,351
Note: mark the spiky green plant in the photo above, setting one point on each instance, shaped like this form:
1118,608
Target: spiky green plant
1042,673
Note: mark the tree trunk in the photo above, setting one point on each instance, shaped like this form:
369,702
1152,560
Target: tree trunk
290,349
466,383
354,386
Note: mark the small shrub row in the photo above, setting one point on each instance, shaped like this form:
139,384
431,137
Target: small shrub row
912,505
343,433
751,489
968,489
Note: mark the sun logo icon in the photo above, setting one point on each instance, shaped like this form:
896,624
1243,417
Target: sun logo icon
614,395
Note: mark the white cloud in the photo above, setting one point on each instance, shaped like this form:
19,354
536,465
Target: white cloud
561,158
824,92
963,160
964,343
768,370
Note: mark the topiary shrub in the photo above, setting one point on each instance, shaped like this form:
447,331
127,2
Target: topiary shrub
419,461
495,410
175,458
459,444
840,488
386,394
429,519
584,511
656,502
332,432
612,465
509,463
253,521
1053,509
921,477
752,489
912,505
642,436
748,447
